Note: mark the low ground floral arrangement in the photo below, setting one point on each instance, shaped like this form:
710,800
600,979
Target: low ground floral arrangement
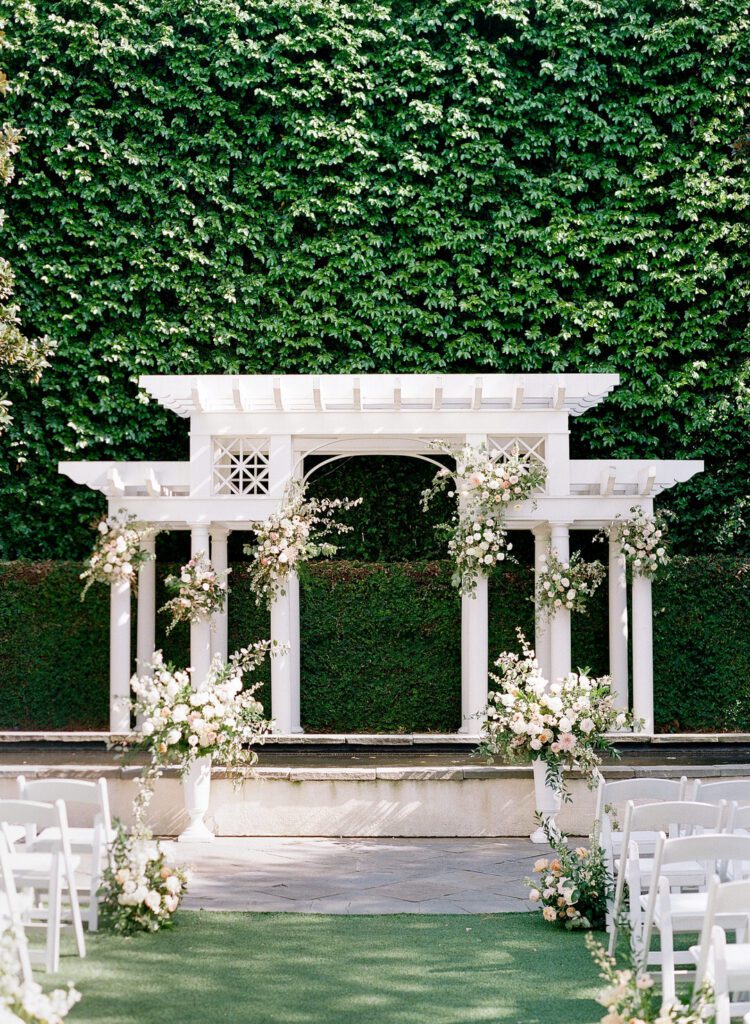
179,723
572,887
566,585
563,723
291,536
630,996
198,591
643,538
118,552
140,891
27,1002
484,486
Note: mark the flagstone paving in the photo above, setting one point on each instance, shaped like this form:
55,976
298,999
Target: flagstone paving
359,876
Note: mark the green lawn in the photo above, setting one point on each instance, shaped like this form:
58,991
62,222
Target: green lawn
304,969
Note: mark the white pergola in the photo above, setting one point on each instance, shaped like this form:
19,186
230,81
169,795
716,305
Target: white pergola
249,436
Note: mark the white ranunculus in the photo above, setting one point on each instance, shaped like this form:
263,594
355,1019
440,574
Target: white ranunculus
147,729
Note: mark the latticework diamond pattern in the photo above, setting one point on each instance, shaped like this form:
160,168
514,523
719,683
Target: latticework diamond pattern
532,447
240,466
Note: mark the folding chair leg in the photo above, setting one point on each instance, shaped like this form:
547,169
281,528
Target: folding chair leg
666,944
24,959
54,918
75,911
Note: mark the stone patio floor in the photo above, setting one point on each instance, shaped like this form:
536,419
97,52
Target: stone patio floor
359,876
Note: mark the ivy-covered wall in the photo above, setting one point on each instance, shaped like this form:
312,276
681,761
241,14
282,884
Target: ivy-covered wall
313,186
380,644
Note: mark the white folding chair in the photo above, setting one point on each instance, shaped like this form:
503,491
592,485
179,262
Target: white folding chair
636,870
670,913
12,906
724,966
92,840
610,795
725,789
49,872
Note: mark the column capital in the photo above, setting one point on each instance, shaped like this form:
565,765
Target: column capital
219,532
541,530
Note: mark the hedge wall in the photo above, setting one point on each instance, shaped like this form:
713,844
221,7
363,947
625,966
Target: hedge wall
288,185
380,647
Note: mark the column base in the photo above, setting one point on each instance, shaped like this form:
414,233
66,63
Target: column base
471,729
196,832
538,836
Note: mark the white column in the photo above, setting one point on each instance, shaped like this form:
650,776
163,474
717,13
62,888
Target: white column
618,623
220,623
282,665
119,657
293,587
200,631
541,622
146,608
285,607
559,623
643,652
474,657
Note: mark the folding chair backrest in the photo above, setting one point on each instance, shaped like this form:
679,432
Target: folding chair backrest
711,847
29,812
71,791
664,817
739,818
727,789
613,794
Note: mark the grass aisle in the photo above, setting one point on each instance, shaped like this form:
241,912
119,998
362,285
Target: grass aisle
305,969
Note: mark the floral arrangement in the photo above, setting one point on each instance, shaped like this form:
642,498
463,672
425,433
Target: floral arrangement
179,723
630,997
140,892
198,591
27,1002
573,886
563,723
566,585
643,539
484,485
291,536
117,553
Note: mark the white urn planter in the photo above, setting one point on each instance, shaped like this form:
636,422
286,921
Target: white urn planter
196,787
548,801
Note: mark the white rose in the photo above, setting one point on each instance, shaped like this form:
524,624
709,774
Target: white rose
571,595
172,884
147,729
103,528
126,569
107,567
173,736
120,545
171,903
565,724
153,900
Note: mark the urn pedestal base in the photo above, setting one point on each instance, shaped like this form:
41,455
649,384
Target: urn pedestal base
548,802
196,786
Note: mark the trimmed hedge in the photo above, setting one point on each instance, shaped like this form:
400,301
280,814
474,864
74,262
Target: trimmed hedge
293,186
380,644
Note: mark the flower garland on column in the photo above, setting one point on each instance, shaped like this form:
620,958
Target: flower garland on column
198,591
643,538
118,551
566,585
291,536
484,486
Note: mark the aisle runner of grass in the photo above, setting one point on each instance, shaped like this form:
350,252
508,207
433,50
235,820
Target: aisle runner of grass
305,969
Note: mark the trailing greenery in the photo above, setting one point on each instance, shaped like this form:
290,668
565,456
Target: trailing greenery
309,186
380,643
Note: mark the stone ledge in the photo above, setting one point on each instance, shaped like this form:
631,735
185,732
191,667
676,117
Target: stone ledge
437,773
